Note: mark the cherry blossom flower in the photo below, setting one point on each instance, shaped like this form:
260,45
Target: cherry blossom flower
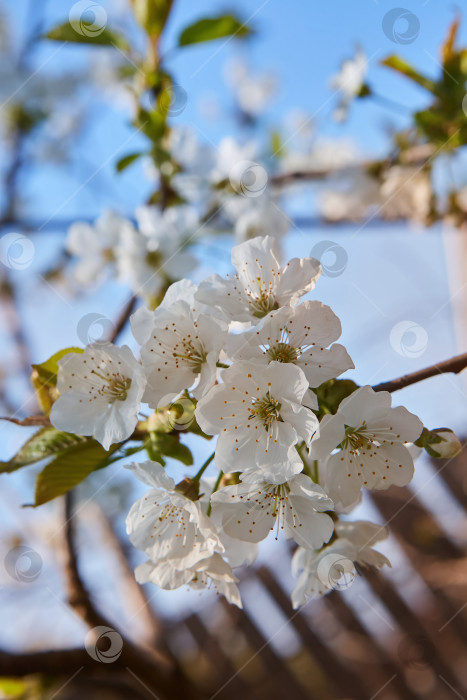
94,245
254,91
349,82
100,393
152,256
167,525
261,283
142,320
181,542
355,195
183,347
196,160
258,413
333,566
406,193
230,154
250,510
370,437
299,335
256,216
211,571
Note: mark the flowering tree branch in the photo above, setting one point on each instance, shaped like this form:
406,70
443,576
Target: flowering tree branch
454,365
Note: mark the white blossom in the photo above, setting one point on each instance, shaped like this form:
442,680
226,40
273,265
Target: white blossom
100,393
230,154
181,542
94,245
299,335
252,91
142,320
370,437
150,257
167,525
256,216
250,510
211,571
406,193
352,198
258,415
333,567
349,82
261,284
183,348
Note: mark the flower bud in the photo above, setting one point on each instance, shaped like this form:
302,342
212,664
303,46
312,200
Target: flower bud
449,446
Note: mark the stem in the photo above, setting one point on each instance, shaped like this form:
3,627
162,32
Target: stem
216,486
201,471
315,475
455,364
306,466
386,102
123,319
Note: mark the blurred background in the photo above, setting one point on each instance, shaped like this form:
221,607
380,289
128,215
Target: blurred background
340,178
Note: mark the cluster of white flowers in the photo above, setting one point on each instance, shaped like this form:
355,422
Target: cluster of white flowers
146,255
250,355
399,192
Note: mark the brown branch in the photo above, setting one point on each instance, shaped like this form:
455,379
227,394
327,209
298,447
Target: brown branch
123,319
52,662
78,596
454,365
134,593
147,664
417,155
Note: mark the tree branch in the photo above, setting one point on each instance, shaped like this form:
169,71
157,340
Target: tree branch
134,593
454,365
145,663
123,319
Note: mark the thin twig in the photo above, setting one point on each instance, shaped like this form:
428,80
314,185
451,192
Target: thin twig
454,365
123,319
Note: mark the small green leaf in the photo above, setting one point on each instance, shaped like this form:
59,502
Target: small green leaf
44,379
276,144
152,15
44,443
162,445
398,64
127,160
332,392
83,33
71,468
152,124
13,688
211,28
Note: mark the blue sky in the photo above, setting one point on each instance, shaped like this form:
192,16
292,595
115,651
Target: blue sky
302,42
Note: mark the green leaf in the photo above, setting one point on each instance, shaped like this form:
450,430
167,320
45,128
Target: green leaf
71,468
211,28
44,379
152,15
276,144
13,688
127,160
162,445
398,64
332,392
152,124
44,443
78,31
